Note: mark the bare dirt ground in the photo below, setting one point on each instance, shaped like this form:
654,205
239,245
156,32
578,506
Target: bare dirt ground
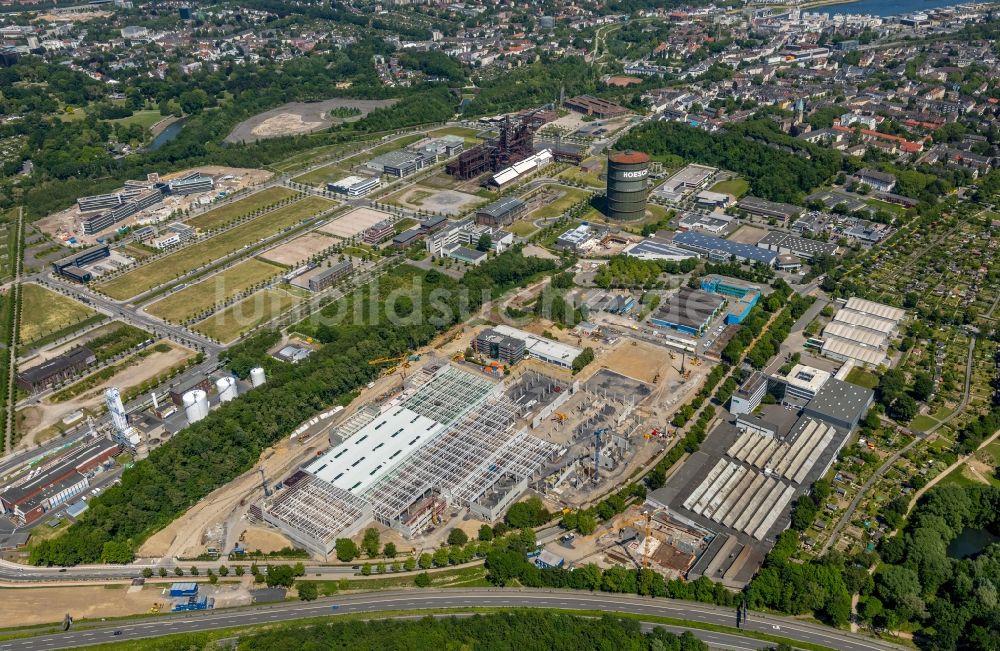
65,223
748,234
642,361
49,414
265,540
356,221
184,536
291,254
448,202
536,251
30,606
300,117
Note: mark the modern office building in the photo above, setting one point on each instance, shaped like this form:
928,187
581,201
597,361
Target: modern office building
190,183
509,350
804,382
70,266
380,232
627,174
354,186
749,395
328,277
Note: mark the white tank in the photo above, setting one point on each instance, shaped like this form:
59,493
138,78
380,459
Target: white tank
195,405
226,386
257,376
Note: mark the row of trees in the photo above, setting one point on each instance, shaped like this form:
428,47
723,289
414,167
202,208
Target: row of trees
521,629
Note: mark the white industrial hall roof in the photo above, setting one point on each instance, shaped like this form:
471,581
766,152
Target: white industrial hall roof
875,309
375,450
858,335
860,320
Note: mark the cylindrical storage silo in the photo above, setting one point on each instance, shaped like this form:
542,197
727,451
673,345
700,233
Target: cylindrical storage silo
627,173
257,376
226,387
195,405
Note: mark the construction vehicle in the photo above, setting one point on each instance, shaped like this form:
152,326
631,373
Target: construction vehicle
647,517
561,417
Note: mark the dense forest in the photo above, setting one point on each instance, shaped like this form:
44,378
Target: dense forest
522,629
229,441
777,166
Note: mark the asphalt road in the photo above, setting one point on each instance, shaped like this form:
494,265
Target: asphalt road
155,626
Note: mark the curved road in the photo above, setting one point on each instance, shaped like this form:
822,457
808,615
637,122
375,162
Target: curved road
148,627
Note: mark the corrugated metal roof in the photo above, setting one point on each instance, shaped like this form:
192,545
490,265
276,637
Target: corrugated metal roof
859,335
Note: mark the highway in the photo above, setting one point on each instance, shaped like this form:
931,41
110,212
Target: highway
159,625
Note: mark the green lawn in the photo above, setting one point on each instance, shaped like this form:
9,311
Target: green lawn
736,187
213,290
224,214
465,132
570,197
862,378
392,145
44,312
319,177
189,258
958,477
580,176
522,228
246,315
891,208
922,423
145,119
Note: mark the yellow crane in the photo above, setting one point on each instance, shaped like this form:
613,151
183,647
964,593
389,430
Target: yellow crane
646,517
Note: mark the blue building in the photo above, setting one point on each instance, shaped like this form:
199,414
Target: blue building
689,311
70,266
187,589
717,249
746,297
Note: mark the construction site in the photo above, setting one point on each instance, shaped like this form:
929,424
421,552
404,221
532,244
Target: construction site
457,438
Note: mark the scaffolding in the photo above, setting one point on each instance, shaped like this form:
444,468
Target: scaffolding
316,513
450,394
459,463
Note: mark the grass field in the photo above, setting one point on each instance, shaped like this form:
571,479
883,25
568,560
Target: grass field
862,378
736,187
465,132
44,312
922,423
187,259
246,315
579,175
393,145
227,213
555,208
146,119
322,175
522,228
215,289
891,208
